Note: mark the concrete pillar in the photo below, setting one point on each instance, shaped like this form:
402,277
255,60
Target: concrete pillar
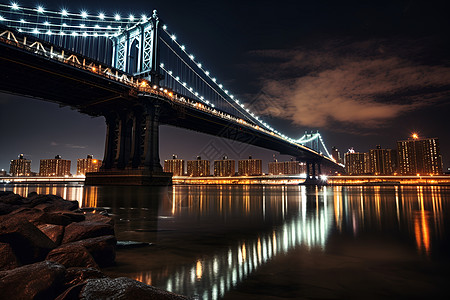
110,141
136,141
124,141
151,147
313,170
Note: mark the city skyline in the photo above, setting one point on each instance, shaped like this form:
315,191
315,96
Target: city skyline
246,53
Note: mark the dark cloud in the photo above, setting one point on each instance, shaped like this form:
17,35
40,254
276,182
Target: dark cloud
363,83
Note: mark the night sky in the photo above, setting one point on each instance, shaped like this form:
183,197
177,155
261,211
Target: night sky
363,74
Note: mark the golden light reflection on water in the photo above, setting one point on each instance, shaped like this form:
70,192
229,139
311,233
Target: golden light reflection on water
199,270
298,217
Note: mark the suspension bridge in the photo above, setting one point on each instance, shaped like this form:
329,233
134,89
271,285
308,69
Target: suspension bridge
135,73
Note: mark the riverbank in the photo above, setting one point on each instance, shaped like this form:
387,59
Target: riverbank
52,249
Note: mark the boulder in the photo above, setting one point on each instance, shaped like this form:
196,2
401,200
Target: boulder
86,229
102,249
27,241
42,280
7,208
56,218
74,217
124,288
78,275
51,203
72,256
54,232
98,218
72,293
131,244
8,259
33,215
12,199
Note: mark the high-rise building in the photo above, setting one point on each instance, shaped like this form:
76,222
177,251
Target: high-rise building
336,155
382,161
294,167
419,156
20,166
250,167
198,167
276,168
174,166
54,167
224,167
291,167
356,163
89,164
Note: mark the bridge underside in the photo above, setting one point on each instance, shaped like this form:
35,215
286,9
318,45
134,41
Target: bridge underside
132,141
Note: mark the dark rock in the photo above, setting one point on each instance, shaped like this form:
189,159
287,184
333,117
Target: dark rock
74,217
12,199
54,232
8,259
7,208
32,194
102,249
97,217
5,193
42,280
124,288
72,256
131,244
72,293
86,229
80,275
56,218
27,241
52,203
30,214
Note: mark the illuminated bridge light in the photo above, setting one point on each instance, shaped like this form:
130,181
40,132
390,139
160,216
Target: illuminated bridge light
84,14
14,6
173,37
40,9
117,17
131,18
101,16
165,27
2,18
183,47
64,12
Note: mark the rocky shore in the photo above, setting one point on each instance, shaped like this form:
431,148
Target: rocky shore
52,249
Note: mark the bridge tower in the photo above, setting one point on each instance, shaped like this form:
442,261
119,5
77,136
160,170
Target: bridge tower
132,135
136,50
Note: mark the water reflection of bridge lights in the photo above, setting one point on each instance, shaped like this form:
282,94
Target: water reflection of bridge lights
210,277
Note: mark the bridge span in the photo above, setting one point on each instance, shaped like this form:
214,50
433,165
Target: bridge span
135,97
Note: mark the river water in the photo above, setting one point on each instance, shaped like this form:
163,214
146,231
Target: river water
277,242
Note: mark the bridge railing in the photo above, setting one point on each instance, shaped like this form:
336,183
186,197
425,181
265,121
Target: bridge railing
48,50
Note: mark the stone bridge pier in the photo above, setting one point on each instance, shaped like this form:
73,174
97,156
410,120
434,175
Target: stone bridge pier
131,149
